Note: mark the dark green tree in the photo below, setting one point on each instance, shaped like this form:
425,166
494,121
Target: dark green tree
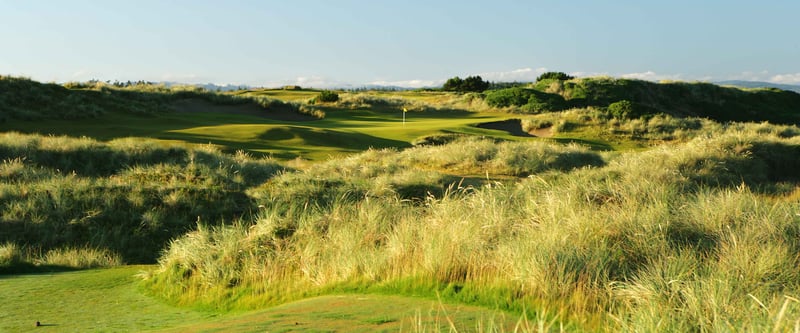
561,76
453,84
471,83
327,96
475,83
623,109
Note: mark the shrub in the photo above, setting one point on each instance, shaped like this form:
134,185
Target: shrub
535,124
10,254
127,196
453,84
541,101
622,110
81,258
530,100
327,96
471,83
561,76
508,97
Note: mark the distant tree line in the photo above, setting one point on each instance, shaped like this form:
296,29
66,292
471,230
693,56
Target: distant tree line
469,84
477,84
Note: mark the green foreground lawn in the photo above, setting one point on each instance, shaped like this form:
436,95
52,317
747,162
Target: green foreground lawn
108,300
85,301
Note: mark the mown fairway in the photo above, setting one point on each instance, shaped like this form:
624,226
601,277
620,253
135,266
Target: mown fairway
85,301
341,132
108,300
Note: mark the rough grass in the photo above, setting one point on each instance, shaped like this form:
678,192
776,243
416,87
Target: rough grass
17,259
120,200
699,236
24,99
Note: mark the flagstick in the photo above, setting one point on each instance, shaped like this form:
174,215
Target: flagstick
404,116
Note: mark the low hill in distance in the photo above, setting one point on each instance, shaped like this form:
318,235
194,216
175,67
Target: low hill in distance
759,84
28,100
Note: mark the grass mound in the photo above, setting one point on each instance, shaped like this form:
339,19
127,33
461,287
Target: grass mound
25,99
691,237
126,197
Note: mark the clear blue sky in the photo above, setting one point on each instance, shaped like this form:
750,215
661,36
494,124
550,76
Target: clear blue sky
323,43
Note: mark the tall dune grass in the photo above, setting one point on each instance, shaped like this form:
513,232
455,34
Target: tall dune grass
701,236
128,197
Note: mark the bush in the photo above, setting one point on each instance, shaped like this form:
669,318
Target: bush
541,101
622,110
327,96
561,76
471,83
530,100
508,97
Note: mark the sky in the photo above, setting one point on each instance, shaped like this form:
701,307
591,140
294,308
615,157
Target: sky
317,43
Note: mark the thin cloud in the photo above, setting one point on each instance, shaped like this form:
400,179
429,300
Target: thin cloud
519,75
588,74
408,83
184,78
766,76
786,78
313,81
83,75
751,76
651,76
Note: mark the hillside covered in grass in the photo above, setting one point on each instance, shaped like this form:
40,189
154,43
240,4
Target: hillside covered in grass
699,236
648,98
25,99
593,216
127,198
22,98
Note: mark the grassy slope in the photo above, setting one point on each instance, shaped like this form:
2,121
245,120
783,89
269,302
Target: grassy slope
342,131
285,95
674,98
360,121
707,229
109,300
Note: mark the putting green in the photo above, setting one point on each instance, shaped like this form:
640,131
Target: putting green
342,131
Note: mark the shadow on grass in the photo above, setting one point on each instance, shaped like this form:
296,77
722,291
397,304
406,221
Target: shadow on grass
385,113
329,138
118,225
593,145
293,141
511,126
26,268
